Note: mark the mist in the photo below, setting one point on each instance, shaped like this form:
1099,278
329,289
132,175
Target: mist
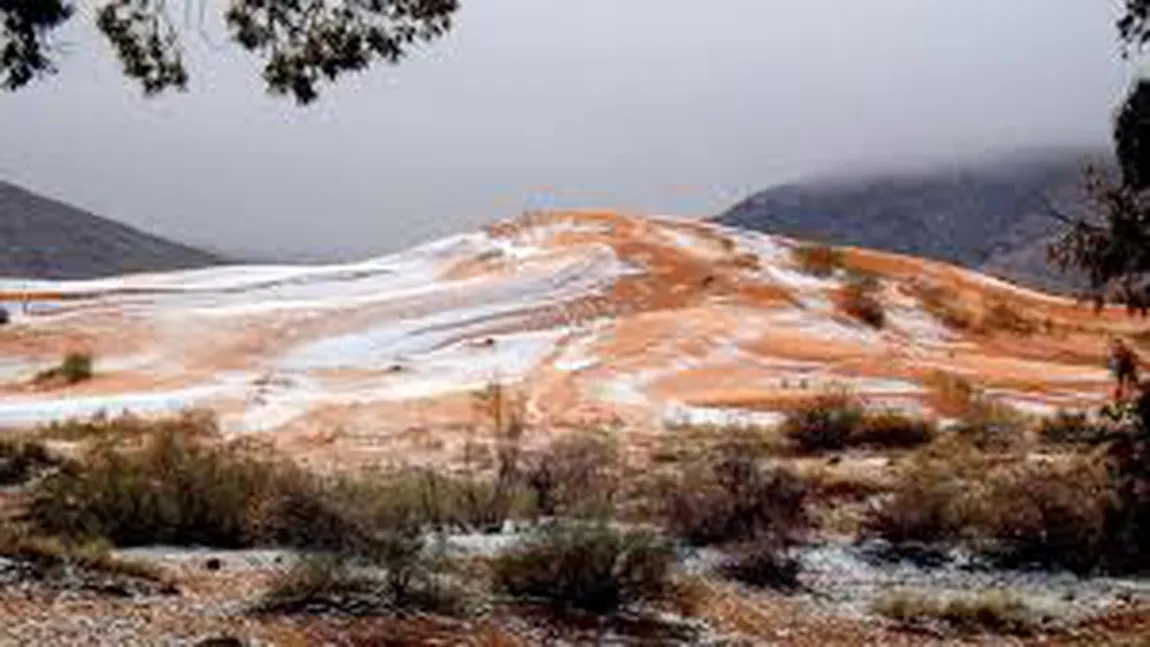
637,105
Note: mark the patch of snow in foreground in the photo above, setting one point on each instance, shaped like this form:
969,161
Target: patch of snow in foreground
679,414
31,411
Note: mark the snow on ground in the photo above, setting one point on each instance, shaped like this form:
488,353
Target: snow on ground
677,414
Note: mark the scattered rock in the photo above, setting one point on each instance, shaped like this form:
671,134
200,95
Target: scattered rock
4,316
213,564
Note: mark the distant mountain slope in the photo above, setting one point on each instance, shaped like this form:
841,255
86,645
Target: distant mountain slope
991,216
44,238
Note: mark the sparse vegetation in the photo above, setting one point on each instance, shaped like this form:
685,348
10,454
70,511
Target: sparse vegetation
577,476
1000,315
944,306
1072,428
76,367
892,429
594,568
836,420
22,458
46,558
995,612
404,578
859,299
730,496
825,423
984,421
818,260
178,487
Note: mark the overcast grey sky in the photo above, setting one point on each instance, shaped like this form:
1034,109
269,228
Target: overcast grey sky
654,105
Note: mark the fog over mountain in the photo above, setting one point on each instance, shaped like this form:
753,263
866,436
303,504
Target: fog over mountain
646,105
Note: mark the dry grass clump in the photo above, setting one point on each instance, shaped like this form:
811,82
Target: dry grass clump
818,260
995,612
128,427
587,567
48,558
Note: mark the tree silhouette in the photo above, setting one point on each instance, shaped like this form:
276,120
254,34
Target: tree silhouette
1113,248
304,43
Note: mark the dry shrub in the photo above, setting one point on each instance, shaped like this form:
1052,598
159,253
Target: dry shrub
178,486
595,568
403,578
825,422
1020,513
818,260
52,559
128,426
728,496
1044,515
762,563
931,503
577,476
983,421
859,299
944,306
1072,428
1000,315
21,459
995,611
891,429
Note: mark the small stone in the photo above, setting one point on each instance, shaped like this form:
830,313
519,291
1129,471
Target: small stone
213,564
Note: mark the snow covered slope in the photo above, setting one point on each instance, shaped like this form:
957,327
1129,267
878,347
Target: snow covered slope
595,318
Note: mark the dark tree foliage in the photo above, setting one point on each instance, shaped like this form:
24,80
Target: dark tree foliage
24,25
1133,26
1113,248
304,43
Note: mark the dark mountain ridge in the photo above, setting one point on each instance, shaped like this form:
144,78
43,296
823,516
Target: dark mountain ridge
992,216
47,239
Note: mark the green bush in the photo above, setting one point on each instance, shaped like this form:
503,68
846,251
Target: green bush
594,568
818,260
825,423
73,369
